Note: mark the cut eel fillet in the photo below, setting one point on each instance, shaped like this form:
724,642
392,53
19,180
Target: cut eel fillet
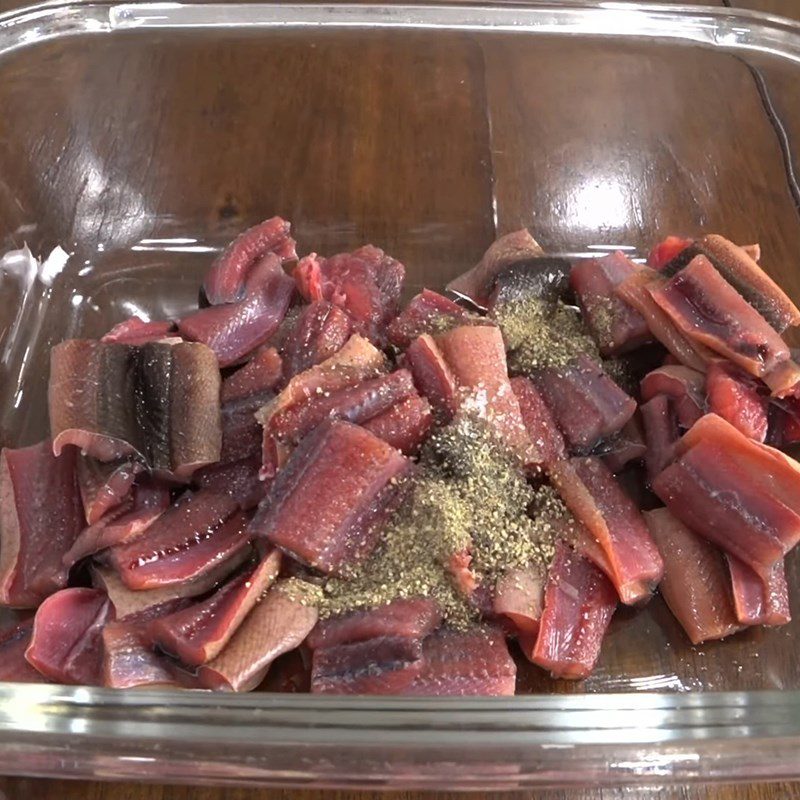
66,645
477,358
227,278
260,375
429,313
636,292
759,599
405,425
477,283
158,402
734,396
197,634
433,377
234,330
592,494
696,586
136,331
41,515
542,429
365,283
122,524
740,494
184,543
738,265
357,361
616,326
410,618
579,602
586,403
627,446
321,330
709,311
685,387
104,486
276,625
15,639
519,597
352,477
475,662
379,666
661,433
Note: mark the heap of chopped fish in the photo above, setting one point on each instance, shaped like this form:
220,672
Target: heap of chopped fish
406,496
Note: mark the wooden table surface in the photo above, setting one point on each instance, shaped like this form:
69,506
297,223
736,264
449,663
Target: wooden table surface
786,105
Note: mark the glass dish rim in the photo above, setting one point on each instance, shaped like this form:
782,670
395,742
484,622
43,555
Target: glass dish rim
674,737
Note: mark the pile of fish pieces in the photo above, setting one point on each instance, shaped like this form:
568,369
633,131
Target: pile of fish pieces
204,477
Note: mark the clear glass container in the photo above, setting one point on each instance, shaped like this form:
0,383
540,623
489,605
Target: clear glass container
140,138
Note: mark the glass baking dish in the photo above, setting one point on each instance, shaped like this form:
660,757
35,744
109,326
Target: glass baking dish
142,137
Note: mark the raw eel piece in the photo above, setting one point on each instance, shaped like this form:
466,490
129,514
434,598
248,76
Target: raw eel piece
197,634
14,640
135,604
135,330
233,330
579,602
708,310
595,498
385,665
405,425
351,476
473,663
184,543
159,402
321,330
627,446
239,479
104,485
616,326
147,503
259,376
740,270
433,377
635,292
544,278
409,618
666,251
477,283
586,404
365,283
278,624
539,423
129,661
775,473
583,543
717,495
684,386
354,404
519,596
734,396
358,360
66,645
661,433
242,435
40,518
784,379
477,358
759,599
430,313
695,585
225,281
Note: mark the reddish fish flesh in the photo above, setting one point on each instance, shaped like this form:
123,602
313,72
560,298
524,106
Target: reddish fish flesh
695,586
321,330
579,602
197,634
66,645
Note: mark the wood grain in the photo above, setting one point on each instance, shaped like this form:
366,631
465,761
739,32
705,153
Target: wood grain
415,168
